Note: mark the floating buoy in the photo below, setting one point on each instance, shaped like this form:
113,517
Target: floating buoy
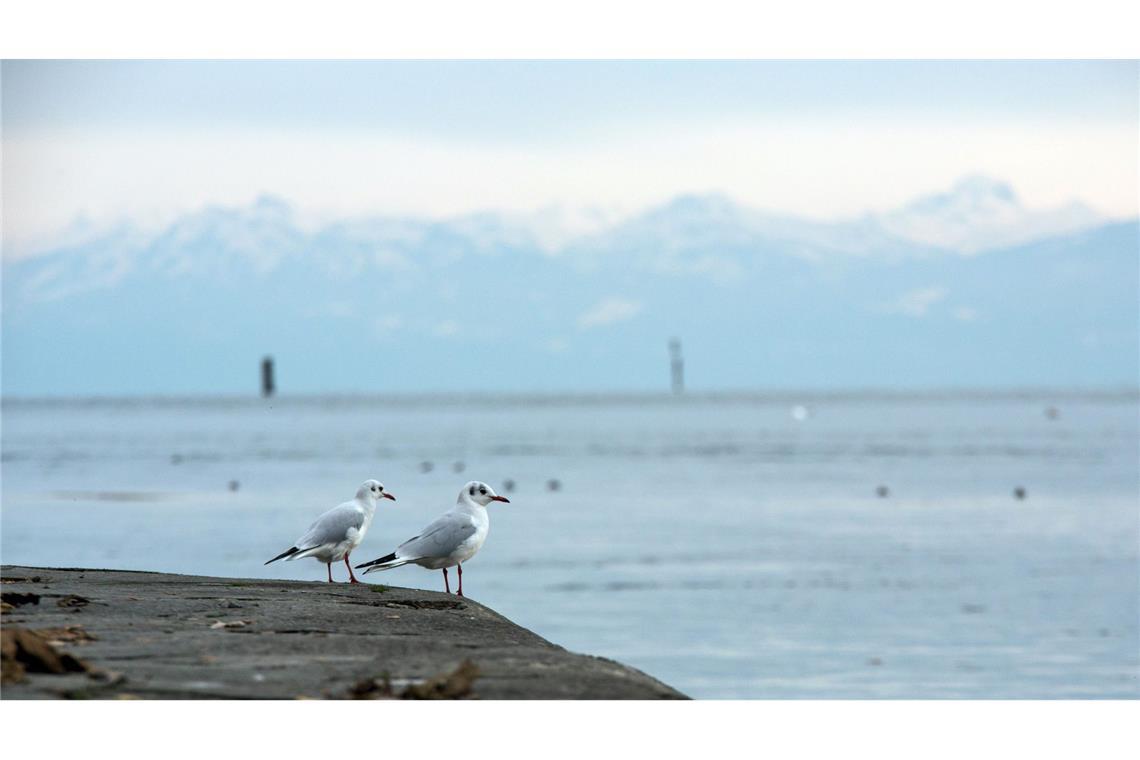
458,467
426,466
1019,493
234,485
882,492
554,484
508,485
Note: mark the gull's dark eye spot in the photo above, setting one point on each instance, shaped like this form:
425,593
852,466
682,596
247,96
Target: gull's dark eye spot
472,490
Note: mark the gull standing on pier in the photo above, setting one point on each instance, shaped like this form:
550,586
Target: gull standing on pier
451,540
340,530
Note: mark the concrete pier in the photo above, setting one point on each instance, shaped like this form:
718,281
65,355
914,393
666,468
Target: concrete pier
107,634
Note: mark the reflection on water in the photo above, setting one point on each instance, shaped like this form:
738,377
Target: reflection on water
869,546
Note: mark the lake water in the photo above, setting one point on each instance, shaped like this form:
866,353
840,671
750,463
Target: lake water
733,546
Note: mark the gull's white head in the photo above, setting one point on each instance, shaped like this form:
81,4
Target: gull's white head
373,490
481,493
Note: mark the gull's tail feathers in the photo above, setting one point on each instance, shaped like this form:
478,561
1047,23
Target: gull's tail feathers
287,553
307,552
387,562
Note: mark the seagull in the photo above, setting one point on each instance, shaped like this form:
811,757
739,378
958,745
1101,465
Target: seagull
451,540
334,535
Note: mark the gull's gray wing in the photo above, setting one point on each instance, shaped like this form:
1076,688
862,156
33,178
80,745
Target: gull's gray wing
332,527
438,539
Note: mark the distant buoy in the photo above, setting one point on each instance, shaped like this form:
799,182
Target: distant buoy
882,492
176,459
1019,493
426,466
458,467
1052,412
234,485
554,484
508,485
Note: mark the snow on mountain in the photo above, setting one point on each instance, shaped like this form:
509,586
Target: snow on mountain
216,239
703,235
552,229
979,214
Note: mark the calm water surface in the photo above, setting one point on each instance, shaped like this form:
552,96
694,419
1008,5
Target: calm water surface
720,544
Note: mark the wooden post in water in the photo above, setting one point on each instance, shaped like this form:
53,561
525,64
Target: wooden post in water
677,367
267,387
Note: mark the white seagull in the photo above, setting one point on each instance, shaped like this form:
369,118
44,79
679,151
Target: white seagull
334,535
451,540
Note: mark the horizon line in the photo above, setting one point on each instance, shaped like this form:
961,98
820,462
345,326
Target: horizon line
774,395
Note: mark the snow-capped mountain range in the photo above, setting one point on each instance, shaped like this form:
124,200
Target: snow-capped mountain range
224,285
977,214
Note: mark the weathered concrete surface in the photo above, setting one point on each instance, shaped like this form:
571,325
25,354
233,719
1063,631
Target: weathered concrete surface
162,636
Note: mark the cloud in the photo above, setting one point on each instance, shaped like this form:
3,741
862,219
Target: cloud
608,312
915,303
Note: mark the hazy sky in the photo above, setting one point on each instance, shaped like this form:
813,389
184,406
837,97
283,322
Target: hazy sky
146,140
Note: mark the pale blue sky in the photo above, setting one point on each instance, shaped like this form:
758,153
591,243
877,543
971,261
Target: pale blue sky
148,140
509,100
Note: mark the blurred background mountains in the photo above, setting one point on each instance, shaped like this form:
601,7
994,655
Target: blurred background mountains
967,288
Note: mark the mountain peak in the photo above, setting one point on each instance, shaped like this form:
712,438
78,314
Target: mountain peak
268,204
978,213
979,186
716,204
968,196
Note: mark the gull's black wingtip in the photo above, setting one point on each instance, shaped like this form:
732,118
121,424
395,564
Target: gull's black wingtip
382,560
287,553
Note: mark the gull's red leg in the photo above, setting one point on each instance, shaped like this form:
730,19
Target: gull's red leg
352,578
329,566
460,579
446,587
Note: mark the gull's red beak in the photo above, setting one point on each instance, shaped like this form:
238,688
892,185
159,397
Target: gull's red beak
503,499
389,496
